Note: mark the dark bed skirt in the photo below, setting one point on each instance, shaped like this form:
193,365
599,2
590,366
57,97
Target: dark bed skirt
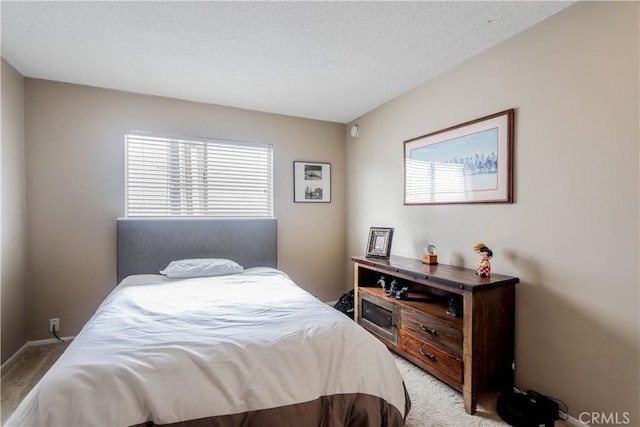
353,410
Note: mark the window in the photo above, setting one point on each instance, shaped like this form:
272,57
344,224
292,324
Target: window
175,176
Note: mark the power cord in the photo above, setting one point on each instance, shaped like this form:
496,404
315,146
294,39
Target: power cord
564,412
53,329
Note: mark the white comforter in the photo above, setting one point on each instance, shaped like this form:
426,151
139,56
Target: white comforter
172,350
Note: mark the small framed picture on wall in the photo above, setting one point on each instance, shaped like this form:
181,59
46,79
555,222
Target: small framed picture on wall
311,182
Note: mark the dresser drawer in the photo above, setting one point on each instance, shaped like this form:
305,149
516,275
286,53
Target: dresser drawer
433,331
429,355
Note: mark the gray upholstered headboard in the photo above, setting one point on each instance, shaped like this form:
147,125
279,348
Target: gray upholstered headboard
146,246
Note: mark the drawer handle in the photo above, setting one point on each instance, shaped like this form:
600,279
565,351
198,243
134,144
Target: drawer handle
428,355
428,330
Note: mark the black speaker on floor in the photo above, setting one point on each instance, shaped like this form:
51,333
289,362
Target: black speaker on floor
527,410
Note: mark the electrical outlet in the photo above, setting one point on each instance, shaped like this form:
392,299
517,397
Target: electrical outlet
54,323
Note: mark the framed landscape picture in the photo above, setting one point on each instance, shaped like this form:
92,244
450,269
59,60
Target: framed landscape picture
468,163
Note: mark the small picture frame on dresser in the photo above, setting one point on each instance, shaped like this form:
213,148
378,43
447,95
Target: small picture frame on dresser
379,243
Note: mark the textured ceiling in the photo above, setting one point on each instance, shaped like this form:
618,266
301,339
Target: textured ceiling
323,60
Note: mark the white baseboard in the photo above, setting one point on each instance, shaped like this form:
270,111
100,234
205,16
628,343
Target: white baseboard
575,422
49,341
13,359
10,361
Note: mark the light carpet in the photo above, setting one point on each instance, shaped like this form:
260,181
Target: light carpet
433,403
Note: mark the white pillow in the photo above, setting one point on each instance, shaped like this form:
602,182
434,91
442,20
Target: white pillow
202,267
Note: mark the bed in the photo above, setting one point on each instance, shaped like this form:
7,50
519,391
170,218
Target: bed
248,348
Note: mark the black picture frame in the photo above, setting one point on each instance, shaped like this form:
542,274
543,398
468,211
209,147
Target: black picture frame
379,243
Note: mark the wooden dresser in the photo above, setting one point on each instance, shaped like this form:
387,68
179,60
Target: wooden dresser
455,325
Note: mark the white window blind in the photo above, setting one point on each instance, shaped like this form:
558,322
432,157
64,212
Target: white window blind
174,176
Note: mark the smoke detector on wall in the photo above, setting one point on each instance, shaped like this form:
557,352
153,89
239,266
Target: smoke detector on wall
355,131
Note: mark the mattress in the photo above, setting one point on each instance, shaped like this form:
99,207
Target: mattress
243,349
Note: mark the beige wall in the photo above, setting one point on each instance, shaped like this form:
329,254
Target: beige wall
13,281
75,190
572,233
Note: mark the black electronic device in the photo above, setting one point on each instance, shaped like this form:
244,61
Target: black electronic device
527,410
345,304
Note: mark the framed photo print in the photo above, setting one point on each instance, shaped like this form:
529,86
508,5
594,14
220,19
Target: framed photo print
311,182
379,243
467,163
